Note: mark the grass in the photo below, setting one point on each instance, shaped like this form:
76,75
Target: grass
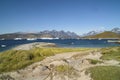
93,61
17,59
63,68
105,73
111,53
66,70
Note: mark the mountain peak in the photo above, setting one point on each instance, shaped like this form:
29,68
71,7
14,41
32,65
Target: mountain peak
116,30
94,32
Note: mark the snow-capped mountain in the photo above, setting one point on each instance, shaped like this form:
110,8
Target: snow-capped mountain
116,30
92,33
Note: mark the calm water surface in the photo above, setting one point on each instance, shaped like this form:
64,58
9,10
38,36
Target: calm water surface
7,44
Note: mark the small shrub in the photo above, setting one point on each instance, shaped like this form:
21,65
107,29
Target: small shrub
62,68
66,70
92,61
30,56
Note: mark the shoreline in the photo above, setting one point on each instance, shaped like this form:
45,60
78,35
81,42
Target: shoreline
34,45
5,45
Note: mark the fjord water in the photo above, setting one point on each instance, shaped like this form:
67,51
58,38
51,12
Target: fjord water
60,43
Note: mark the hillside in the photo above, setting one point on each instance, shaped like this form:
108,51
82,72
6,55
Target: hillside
95,32
106,34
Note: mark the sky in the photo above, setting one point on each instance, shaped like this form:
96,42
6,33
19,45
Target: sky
79,16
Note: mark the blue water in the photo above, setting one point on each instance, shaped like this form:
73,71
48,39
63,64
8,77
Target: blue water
61,43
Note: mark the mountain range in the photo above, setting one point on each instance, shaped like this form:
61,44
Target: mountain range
114,33
41,34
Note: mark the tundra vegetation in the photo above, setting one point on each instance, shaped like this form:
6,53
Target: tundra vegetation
112,53
17,59
12,60
107,72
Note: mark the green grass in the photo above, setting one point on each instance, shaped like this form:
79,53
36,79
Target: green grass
93,61
17,59
63,68
105,73
111,53
66,70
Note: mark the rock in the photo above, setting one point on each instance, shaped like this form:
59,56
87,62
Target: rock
6,77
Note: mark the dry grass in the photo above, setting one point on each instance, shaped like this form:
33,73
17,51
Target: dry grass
16,59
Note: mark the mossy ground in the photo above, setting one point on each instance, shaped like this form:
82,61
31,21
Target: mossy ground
111,53
105,73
